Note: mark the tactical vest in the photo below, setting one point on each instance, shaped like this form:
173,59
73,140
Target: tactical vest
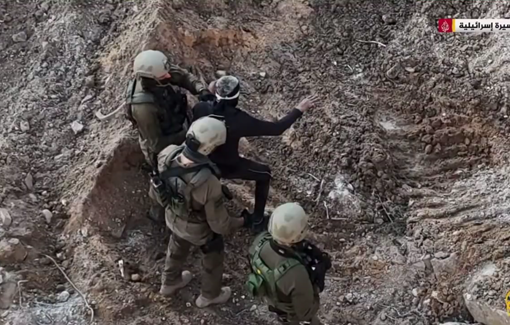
172,106
178,190
262,282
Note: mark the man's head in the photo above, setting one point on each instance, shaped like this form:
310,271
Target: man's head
228,88
204,135
288,224
151,64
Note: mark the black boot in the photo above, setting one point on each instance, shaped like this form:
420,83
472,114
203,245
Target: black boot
258,223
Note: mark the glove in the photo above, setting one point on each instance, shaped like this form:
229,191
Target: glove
206,96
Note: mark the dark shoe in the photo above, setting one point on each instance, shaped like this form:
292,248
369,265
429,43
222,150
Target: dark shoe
259,224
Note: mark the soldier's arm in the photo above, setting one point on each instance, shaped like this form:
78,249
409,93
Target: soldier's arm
215,211
148,124
305,300
182,78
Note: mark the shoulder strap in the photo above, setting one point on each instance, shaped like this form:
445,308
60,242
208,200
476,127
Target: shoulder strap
284,267
179,171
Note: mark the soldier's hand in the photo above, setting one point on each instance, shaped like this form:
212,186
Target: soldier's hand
206,96
308,103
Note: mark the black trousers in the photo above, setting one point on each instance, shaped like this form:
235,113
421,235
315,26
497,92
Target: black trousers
250,170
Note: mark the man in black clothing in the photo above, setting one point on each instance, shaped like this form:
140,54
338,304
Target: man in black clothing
240,124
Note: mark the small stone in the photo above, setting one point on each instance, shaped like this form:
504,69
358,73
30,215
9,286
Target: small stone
33,197
89,81
220,73
382,317
388,19
77,127
24,126
45,6
135,277
441,255
349,297
415,292
253,308
4,314
47,215
188,304
428,149
61,256
20,37
263,74
379,221
63,296
12,251
61,287
29,182
5,217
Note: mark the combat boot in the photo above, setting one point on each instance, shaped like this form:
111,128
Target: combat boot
169,290
222,298
258,224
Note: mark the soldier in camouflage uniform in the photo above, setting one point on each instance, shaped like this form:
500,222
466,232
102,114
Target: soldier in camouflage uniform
287,271
195,211
157,107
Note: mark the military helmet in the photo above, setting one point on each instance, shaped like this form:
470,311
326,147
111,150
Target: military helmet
207,133
288,224
151,64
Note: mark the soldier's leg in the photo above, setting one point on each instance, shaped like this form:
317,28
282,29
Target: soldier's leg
174,277
212,273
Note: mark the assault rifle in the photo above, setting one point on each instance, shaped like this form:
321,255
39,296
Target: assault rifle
316,261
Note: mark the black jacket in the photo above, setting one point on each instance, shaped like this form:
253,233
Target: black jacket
241,124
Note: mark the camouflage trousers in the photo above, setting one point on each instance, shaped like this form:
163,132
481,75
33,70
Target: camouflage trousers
212,267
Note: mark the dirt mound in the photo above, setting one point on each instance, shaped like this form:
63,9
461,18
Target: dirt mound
402,166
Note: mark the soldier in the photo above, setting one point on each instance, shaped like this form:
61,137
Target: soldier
241,124
287,271
157,107
195,211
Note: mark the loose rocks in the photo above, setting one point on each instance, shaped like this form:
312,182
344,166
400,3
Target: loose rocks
47,215
20,37
12,251
77,127
5,218
63,296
